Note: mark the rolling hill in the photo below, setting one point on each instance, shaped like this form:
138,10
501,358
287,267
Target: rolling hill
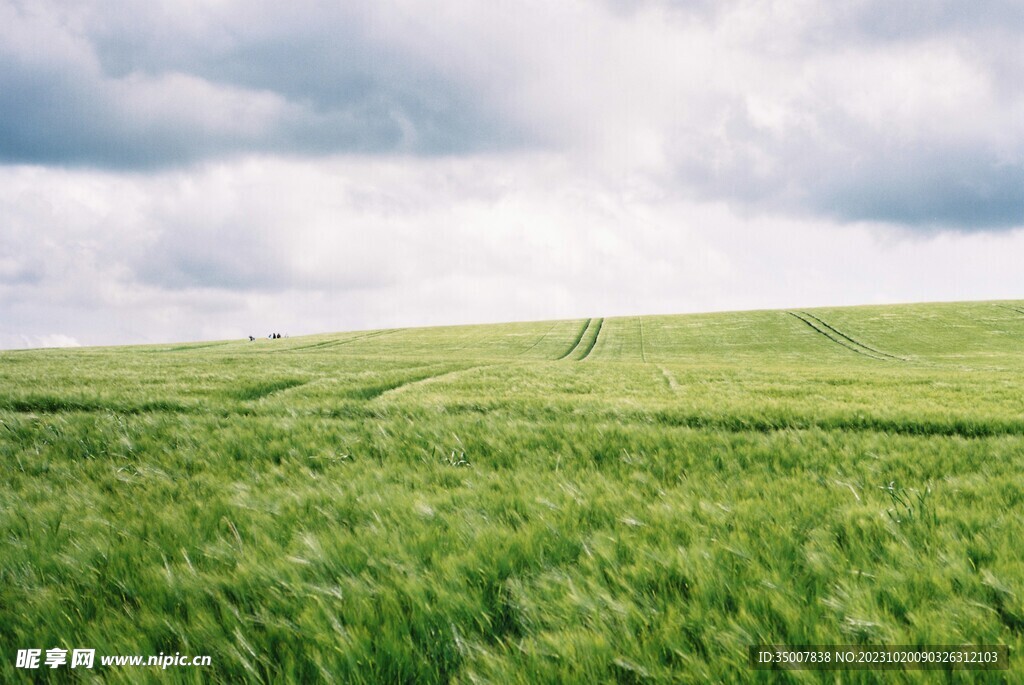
634,499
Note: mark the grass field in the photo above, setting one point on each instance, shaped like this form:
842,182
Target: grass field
597,500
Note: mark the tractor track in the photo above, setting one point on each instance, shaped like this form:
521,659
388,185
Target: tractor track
339,343
842,341
539,340
576,342
427,379
189,348
593,343
673,384
853,340
643,350
1012,309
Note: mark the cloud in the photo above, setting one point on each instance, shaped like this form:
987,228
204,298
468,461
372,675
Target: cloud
966,189
302,246
887,21
193,169
920,132
800,109
310,246
128,86
54,340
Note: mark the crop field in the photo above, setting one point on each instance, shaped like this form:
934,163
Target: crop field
632,499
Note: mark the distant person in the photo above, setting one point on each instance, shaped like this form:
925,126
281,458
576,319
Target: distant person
252,338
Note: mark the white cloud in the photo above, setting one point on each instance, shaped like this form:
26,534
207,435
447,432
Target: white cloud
214,169
57,340
37,341
264,244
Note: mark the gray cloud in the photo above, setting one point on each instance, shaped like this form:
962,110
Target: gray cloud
842,169
127,87
896,21
903,113
212,252
67,117
864,19
246,252
964,189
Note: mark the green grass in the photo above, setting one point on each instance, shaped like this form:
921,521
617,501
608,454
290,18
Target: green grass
606,500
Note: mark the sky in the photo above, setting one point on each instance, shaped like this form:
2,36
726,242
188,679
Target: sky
182,170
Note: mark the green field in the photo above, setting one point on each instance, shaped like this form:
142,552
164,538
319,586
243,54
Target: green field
597,500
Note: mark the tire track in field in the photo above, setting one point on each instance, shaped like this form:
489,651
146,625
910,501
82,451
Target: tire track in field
539,340
260,391
837,340
327,343
643,349
405,385
576,342
339,343
186,348
356,392
1012,309
673,384
853,340
593,343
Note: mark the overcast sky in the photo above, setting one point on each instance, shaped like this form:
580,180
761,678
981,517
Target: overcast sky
187,170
